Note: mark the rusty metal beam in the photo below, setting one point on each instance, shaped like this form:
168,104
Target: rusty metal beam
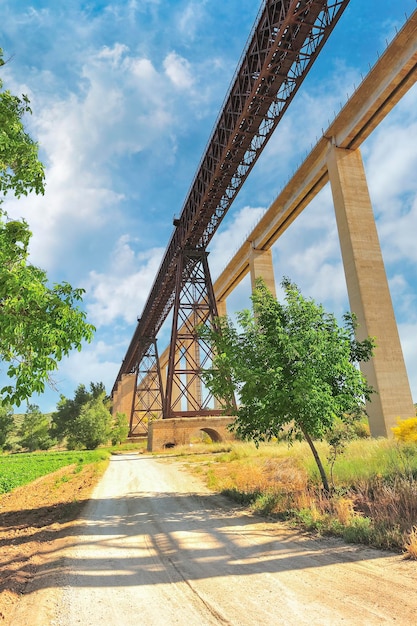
194,306
148,397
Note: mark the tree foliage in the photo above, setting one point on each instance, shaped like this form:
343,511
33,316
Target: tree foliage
39,324
20,169
85,420
293,367
120,429
92,426
6,424
34,432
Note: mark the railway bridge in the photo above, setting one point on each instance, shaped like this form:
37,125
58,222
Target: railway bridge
285,40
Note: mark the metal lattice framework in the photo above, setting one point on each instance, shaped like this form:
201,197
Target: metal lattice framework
149,395
284,42
194,306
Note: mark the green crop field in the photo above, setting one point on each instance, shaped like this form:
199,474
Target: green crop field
20,469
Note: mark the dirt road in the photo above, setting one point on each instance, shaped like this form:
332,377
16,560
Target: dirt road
158,549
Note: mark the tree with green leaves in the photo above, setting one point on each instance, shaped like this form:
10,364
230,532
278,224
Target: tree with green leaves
39,324
120,429
68,409
292,366
6,425
34,431
21,172
92,427
85,421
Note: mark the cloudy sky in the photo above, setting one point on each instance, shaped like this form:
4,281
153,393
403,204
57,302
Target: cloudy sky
124,95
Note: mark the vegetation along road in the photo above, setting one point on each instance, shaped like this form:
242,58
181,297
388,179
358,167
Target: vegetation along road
156,547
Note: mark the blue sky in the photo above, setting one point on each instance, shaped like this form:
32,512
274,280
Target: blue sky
124,96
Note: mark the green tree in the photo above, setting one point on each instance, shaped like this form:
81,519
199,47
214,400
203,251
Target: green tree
6,425
92,427
39,324
34,431
293,367
20,169
85,420
120,429
68,409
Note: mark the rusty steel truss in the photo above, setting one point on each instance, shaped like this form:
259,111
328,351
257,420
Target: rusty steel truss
285,40
194,306
148,397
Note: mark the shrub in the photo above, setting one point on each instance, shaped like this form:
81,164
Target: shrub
406,430
359,530
120,429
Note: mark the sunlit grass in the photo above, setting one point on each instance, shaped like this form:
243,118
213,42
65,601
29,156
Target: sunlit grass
374,491
20,469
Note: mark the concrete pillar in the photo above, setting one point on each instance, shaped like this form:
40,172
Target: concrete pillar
123,398
368,291
163,364
192,359
260,263
222,312
176,391
221,308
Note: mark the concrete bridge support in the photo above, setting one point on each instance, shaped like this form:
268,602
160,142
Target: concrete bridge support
261,266
179,430
194,395
368,291
221,308
123,397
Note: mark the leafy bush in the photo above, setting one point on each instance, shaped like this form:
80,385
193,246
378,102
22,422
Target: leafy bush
406,430
120,429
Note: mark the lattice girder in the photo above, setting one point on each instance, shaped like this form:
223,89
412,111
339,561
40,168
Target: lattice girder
189,355
148,397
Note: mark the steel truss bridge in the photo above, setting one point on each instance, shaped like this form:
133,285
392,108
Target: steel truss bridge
284,42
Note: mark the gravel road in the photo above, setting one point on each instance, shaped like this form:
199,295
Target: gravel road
159,549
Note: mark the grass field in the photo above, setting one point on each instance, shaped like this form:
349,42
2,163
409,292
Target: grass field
21,469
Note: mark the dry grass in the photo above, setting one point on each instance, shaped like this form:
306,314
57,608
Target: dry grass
374,500
410,545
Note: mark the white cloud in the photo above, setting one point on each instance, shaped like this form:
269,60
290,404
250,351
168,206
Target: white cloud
190,18
308,253
96,363
390,156
123,291
178,71
112,115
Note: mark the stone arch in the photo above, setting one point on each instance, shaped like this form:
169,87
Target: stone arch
214,435
177,431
